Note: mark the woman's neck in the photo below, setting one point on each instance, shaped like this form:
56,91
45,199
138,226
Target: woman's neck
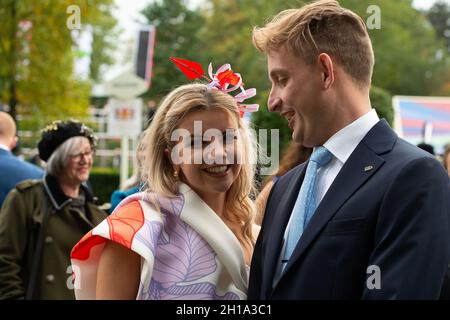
71,190
216,201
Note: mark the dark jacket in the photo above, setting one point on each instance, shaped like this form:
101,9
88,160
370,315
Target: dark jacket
20,219
382,230
13,170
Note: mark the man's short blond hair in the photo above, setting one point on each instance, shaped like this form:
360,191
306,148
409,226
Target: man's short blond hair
321,27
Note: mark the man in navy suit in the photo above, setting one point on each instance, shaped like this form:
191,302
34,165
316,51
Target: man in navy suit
12,169
368,216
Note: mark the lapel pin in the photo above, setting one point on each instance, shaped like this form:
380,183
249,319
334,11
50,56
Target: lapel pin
368,168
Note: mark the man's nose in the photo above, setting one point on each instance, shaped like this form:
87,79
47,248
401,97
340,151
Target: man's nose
273,103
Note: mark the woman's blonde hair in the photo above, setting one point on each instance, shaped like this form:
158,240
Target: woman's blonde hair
157,169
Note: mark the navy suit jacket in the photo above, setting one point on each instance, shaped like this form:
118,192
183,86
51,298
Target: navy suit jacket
388,208
13,170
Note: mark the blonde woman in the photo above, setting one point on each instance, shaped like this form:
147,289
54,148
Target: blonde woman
191,234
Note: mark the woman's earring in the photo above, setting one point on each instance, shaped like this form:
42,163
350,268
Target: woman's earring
176,173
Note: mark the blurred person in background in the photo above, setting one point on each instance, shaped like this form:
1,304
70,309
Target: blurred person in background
41,220
446,159
427,147
13,170
445,292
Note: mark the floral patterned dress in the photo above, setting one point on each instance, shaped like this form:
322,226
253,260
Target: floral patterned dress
186,250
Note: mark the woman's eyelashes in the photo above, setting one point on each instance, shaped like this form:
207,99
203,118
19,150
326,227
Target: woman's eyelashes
227,137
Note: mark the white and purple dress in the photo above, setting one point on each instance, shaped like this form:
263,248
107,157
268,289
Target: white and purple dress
187,251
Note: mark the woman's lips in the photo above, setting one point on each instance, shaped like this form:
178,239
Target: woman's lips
218,171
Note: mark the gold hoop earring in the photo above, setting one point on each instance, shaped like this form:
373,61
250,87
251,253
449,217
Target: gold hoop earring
176,173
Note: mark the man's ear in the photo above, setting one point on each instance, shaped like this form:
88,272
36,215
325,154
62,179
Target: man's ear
327,70
13,143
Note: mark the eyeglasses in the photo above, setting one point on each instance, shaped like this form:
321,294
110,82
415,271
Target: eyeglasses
78,156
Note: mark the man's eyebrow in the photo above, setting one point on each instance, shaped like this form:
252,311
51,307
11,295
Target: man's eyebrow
277,72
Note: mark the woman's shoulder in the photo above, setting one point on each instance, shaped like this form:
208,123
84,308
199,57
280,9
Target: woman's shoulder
23,195
136,208
121,227
130,209
29,184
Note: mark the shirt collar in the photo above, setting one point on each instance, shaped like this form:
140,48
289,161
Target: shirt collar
345,141
4,147
58,197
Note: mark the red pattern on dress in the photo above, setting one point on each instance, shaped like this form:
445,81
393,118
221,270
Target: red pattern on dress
125,223
82,249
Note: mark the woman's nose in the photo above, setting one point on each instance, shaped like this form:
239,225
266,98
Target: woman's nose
218,153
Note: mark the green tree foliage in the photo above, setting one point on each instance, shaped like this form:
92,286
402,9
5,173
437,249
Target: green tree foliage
227,35
409,58
177,30
104,36
381,101
40,50
439,17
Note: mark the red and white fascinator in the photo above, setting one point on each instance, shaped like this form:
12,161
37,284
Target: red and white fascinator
223,79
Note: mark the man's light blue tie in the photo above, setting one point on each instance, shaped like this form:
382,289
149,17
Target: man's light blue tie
306,201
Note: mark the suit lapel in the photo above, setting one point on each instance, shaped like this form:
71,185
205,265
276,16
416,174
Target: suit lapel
278,224
352,176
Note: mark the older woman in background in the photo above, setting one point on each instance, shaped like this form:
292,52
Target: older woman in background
41,220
